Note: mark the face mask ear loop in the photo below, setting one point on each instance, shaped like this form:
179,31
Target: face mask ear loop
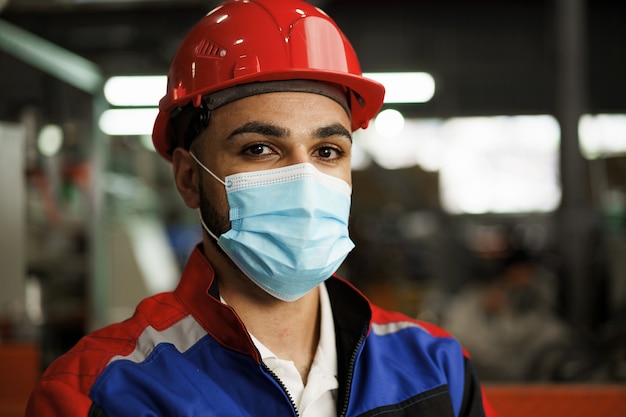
199,212
206,169
205,226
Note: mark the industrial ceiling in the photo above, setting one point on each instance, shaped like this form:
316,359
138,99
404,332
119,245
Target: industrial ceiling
487,57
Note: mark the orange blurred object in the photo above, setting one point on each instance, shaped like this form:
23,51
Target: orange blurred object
19,371
558,400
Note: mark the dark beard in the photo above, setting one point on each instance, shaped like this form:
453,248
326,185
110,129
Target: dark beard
215,222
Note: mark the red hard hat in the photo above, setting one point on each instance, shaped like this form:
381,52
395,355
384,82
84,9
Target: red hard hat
243,41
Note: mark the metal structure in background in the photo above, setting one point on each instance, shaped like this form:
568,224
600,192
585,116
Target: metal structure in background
12,210
575,214
50,58
86,76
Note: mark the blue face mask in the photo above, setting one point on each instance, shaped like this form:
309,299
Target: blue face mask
289,227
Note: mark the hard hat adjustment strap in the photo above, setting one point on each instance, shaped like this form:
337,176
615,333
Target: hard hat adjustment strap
197,121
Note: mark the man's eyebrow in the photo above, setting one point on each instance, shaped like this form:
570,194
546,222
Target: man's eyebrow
260,128
267,129
335,129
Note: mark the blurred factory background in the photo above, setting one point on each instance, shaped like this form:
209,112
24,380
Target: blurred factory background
495,206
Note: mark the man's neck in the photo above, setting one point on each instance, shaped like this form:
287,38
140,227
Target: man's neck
291,330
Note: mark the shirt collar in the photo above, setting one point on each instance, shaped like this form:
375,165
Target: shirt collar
326,354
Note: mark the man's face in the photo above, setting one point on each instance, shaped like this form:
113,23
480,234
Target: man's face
270,131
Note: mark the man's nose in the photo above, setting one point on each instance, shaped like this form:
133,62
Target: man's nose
297,154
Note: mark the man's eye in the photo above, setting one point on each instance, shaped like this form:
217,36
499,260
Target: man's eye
258,149
328,152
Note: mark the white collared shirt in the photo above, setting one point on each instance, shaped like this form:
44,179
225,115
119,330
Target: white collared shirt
318,398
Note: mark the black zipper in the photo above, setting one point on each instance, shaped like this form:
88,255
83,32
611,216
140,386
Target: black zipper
282,385
350,374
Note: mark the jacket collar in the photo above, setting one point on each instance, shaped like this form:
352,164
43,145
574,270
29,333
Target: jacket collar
198,292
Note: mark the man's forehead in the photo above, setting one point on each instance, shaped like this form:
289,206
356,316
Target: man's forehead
287,112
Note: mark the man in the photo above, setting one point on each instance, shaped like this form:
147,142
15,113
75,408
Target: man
262,98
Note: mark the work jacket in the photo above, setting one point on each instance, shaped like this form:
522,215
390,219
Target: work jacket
184,353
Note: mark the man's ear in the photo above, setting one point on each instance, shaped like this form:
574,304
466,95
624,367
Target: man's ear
186,177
